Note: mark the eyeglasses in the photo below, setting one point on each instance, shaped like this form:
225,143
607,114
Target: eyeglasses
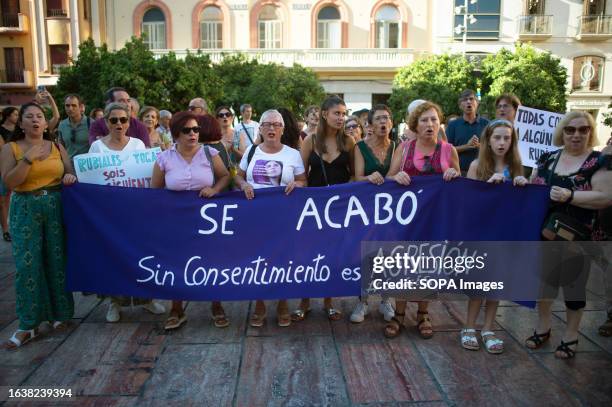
187,130
268,125
224,114
351,127
503,106
115,120
570,130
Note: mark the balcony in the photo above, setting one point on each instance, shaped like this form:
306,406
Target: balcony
16,79
535,27
14,24
55,68
355,59
594,28
57,12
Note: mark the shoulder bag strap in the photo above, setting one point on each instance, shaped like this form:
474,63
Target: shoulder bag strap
247,133
209,158
552,170
321,160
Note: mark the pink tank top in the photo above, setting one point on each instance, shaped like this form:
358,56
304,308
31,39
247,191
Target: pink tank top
414,160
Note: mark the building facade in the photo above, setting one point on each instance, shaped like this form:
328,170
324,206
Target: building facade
354,46
38,37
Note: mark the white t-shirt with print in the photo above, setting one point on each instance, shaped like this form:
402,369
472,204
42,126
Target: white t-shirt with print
270,170
98,146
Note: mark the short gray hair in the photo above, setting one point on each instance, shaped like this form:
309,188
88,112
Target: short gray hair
244,106
115,106
165,113
199,102
271,112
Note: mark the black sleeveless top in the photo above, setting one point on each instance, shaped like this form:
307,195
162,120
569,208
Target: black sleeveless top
337,172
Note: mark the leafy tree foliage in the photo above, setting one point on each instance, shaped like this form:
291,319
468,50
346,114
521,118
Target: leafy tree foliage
168,82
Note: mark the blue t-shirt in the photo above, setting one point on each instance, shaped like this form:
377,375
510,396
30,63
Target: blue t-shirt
459,132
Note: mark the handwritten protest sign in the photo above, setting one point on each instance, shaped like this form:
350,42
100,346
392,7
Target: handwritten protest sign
535,133
125,169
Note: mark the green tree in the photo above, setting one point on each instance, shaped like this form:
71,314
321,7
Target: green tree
168,82
439,78
536,77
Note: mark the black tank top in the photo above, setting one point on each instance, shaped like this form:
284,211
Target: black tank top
337,172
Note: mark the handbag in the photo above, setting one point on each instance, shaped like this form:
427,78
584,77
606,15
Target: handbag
560,225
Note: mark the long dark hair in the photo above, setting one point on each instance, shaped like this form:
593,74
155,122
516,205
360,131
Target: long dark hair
6,112
291,134
19,134
323,126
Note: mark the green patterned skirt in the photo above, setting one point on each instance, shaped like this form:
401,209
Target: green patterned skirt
38,249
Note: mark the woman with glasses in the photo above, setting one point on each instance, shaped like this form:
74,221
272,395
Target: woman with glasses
328,160
579,188
266,165
117,116
372,161
225,117
352,128
424,155
149,116
34,168
190,166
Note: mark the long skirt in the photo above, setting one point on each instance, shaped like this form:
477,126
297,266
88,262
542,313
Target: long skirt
38,250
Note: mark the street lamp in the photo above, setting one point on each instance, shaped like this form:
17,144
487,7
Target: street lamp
462,28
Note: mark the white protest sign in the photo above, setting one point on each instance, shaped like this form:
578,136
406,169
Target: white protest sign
535,133
126,169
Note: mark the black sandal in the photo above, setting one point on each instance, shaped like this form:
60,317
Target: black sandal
538,339
565,348
7,237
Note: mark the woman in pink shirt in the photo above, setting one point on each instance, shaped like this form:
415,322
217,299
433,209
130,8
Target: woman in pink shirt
423,155
190,166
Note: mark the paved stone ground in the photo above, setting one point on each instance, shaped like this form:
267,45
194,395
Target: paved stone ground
134,362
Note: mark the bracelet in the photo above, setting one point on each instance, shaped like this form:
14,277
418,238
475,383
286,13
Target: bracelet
571,196
26,160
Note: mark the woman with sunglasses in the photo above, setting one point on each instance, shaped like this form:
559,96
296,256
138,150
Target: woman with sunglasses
117,117
225,117
424,155
580,187
353,128
328,160
34,168
190,166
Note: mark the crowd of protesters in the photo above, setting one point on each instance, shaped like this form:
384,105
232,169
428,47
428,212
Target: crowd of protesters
324,146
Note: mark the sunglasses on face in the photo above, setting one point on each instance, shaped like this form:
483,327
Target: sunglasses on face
187,130
570,130
224,114
115,120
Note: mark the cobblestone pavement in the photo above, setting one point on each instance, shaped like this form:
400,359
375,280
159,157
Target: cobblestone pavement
315,362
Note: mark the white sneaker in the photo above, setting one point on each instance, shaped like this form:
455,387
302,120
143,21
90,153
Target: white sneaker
113,314
358,314
154,307
386,308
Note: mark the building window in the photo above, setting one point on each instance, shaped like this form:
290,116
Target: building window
329,31
270,28
588,73
9,13
211,28
387,27
14,65
486,26
59,57
535,7
594,7
154,29
55,8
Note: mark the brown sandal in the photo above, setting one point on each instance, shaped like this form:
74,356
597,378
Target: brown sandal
394,326
257,320
175,320
424,325
284,320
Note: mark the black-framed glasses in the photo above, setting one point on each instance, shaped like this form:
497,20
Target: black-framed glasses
266,125
115,120
224,114
570,130
187,130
